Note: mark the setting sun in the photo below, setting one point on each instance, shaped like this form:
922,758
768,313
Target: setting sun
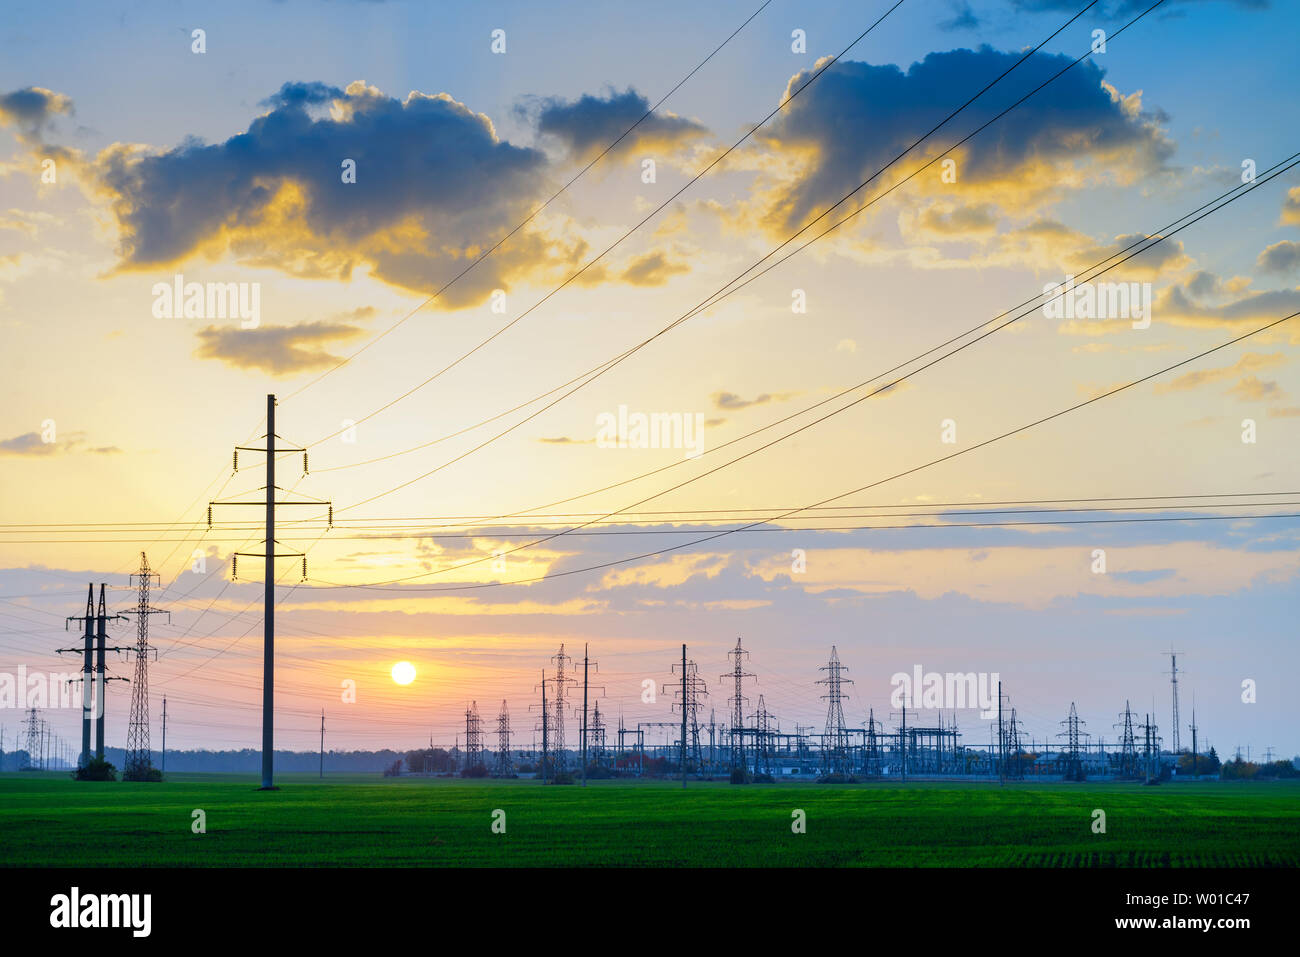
403,672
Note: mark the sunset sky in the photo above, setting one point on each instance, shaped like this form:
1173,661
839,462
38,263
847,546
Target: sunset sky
227,166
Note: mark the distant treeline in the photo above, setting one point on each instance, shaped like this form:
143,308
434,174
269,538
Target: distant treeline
247,761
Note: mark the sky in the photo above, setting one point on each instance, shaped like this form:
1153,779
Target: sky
340,163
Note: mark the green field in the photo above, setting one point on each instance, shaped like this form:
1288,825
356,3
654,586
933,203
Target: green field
358,820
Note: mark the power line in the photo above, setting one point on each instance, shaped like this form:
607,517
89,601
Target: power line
1153,242
658,209
421,535
1104,395
531,216
723,292
473,520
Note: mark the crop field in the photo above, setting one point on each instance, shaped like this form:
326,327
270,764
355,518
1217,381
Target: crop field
360,820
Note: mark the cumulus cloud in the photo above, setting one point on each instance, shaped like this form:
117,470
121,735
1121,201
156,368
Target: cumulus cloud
1254,389
32,111
1077,131
433,183
587,125
1250,362
278,350
652,269
1209,304
1281,257
1291,207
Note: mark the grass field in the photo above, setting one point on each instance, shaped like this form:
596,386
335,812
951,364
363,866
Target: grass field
359,820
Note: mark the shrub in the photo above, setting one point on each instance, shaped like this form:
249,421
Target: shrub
96,769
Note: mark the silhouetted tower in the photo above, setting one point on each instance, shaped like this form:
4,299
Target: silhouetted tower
688,697
1073,749
504,765
871,754
763,729
596,737
139,760
562,678
835,740
33,745
1173,685
1192,728
1128,757
737,701
545,729
473,737
1150,749
1015,748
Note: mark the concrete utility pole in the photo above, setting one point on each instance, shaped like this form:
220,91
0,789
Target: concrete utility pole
268,609
268,599
96,631
322,744
87,679
164,747
584,715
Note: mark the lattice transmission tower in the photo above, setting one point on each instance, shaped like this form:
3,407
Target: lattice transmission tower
835,739
505,767
871,753
688,698
139,759
1073,746
473,737
763,727
737,701
33,742
1128,757
558,683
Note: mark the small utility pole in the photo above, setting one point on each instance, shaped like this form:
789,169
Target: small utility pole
164,747
322,744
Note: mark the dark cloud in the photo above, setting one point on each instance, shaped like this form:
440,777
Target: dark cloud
31,110
1125,7
590,123
1281,257
859,116
730,401
653,269
963,18
433,183
279,350
29,443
